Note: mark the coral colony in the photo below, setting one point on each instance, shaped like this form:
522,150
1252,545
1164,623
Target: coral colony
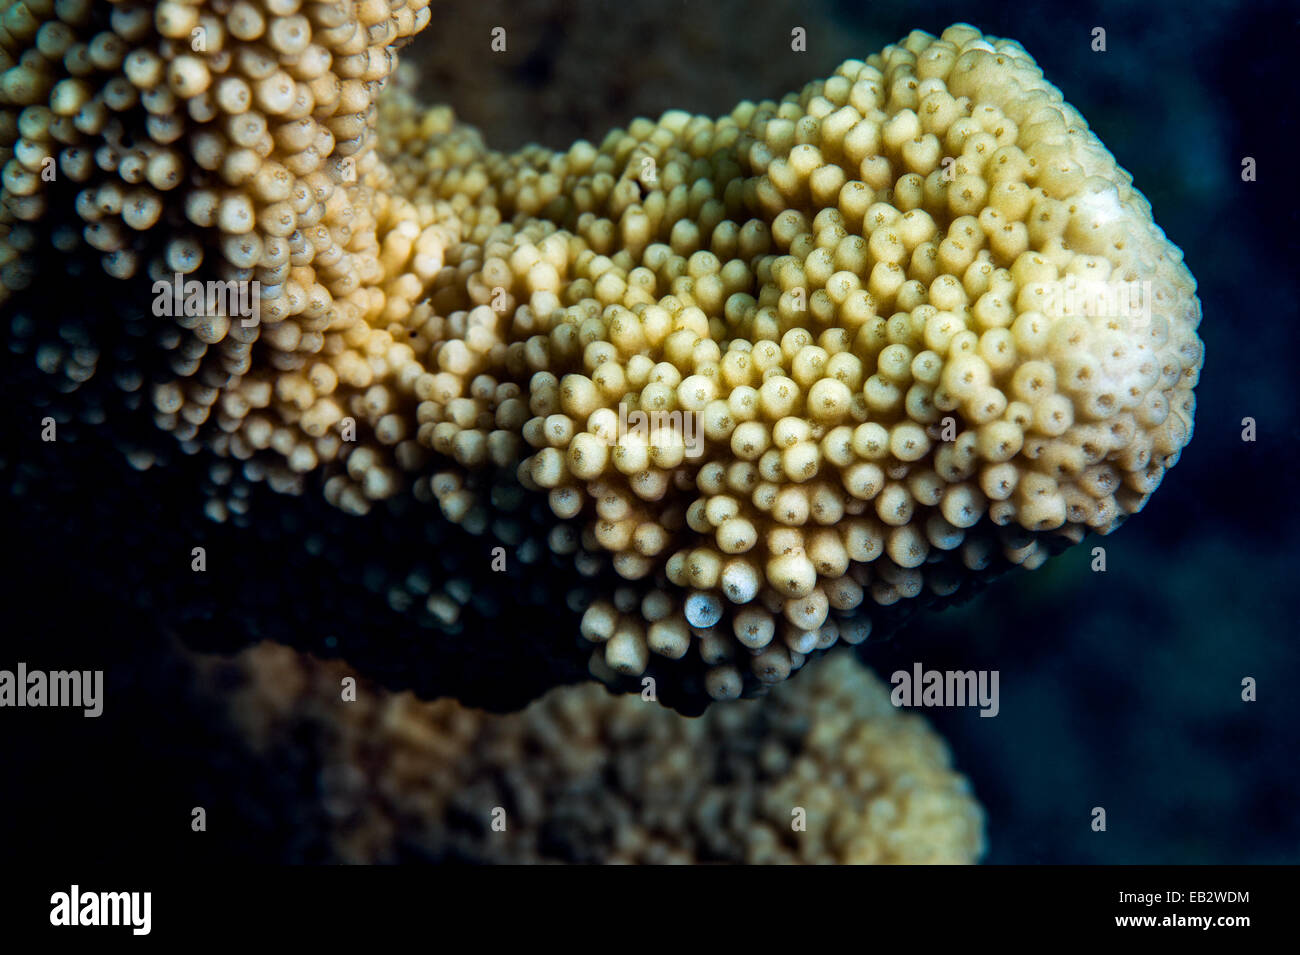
737,390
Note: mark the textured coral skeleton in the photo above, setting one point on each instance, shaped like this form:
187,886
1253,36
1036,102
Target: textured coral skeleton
850,292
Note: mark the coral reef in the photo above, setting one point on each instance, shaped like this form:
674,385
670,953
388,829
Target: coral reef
825,770
735,389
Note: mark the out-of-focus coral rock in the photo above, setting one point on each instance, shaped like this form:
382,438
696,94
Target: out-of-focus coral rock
824,770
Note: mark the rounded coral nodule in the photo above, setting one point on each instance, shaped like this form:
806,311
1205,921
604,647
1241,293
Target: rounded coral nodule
763,381
824,771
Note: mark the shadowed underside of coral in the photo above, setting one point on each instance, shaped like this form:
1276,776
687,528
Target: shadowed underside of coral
695,403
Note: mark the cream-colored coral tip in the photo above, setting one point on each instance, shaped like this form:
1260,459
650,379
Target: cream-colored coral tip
669,638
626,651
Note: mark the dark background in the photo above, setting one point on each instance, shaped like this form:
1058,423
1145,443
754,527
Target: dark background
1120,690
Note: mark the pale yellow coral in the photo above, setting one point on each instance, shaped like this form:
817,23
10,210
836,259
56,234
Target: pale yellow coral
227,142
825,770
861,300
778,371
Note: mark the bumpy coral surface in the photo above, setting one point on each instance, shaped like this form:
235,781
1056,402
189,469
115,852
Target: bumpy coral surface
740,389
825,770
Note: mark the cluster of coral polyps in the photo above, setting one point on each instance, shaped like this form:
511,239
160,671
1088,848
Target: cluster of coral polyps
859,320
825,770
